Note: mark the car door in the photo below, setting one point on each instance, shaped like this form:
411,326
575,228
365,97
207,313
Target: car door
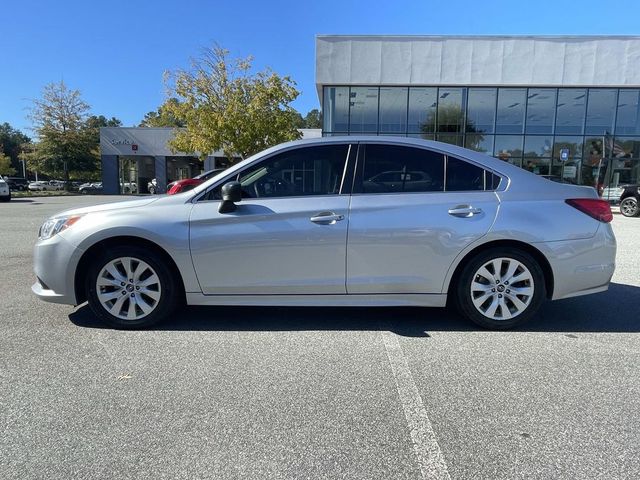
406,229
287,236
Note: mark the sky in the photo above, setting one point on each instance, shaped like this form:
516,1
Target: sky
115,52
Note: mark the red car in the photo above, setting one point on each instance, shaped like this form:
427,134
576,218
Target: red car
187,184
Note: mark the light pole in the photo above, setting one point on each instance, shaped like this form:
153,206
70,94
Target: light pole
24,168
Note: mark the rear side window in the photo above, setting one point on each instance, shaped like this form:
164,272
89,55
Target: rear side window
464,176
395,168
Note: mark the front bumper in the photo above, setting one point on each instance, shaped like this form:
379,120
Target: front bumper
54,263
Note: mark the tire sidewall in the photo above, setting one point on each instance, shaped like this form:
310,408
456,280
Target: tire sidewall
463,288
169,287
630,199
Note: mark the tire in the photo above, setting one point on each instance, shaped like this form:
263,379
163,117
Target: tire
152,190
7,198
154,291
629,207
488,300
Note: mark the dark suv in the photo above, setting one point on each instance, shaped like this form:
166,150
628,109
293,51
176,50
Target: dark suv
17,183
630,201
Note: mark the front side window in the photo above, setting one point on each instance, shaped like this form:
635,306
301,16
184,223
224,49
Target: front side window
395,168
315,170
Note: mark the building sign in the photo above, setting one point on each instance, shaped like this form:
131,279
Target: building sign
570,172
121,141
564,154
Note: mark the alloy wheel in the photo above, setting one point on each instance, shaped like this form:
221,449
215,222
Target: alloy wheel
502,288
128,288
629,207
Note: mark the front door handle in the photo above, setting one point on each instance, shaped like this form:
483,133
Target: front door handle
464,211
326,218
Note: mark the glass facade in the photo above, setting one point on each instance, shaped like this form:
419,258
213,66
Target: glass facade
549,131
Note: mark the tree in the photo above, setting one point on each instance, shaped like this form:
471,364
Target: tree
11,141
5,164
313,119
96,122
226,107
65,143
299,121
163,116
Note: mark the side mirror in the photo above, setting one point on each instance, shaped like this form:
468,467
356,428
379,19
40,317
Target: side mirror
231,193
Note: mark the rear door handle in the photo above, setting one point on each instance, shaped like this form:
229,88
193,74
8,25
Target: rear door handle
326,218
464,211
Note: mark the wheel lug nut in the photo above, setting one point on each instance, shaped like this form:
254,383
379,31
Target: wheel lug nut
131,280
133,295
124,292
137,288
493,289
508,291
499,296
122,284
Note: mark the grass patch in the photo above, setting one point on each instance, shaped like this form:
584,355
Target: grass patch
28,194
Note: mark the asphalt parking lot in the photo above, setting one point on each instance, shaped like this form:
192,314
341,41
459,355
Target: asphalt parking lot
388,393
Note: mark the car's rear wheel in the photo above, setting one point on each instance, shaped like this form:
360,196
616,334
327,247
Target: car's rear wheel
131,287
501,288
629,207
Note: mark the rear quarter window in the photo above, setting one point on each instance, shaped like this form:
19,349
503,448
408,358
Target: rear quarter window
463,176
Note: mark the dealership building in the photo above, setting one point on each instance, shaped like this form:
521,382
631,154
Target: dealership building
134,156
563,106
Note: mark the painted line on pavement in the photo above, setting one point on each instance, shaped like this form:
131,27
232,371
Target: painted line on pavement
428,453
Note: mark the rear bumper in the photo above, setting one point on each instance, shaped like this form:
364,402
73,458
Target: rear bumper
581,267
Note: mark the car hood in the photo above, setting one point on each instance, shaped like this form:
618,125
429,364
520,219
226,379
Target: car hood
109,206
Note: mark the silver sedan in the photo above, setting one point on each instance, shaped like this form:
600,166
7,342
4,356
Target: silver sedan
351,221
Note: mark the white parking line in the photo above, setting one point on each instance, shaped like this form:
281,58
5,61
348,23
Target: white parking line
425,445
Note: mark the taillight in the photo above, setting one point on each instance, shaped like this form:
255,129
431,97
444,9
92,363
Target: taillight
594,207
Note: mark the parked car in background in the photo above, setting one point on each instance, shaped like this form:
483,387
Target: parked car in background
152,187
42,186
17,183
90,188
5,191
612,194
630,201
187,184
307,223
128,187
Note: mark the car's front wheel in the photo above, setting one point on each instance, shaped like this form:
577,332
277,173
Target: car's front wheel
501,288
629,207
131,287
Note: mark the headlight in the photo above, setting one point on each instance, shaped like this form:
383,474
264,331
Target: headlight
55,225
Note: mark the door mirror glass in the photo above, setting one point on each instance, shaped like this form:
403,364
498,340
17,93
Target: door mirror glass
231,193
